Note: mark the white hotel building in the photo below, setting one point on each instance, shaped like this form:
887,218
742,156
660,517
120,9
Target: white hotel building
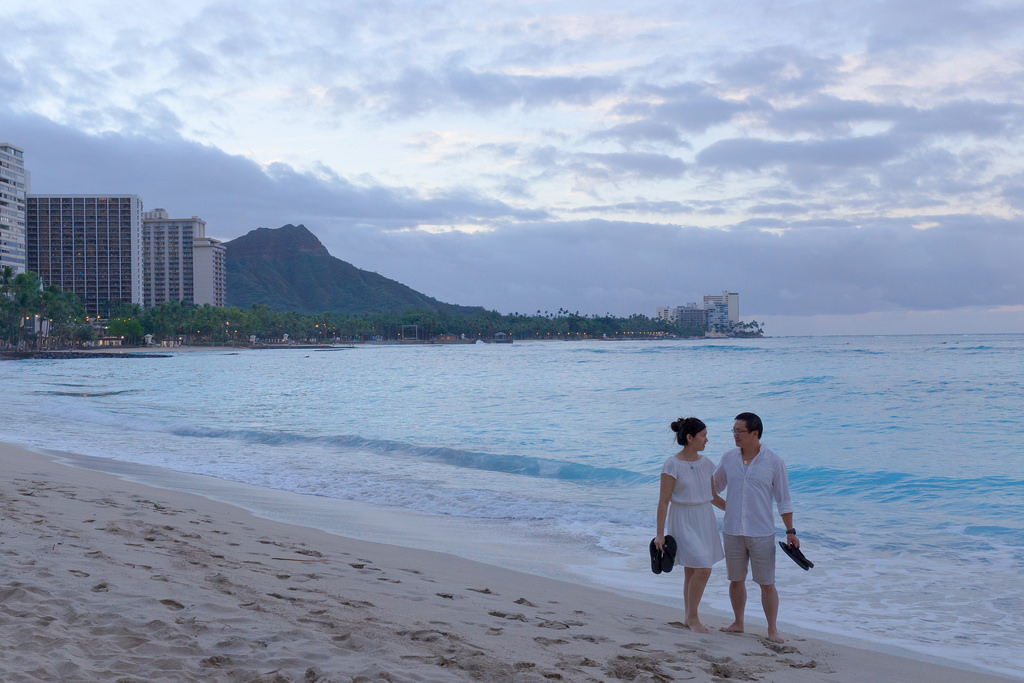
181,262
14,187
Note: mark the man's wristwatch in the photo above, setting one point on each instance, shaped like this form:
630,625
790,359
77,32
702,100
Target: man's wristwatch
791,531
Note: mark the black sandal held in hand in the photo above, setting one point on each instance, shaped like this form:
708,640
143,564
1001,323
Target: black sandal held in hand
663,561
795,555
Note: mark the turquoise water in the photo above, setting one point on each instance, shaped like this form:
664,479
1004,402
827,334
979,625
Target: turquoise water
902,452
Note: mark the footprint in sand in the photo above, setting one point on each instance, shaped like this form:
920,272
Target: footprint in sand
216,661
513,617
172,604
557,625
550,641
426,636
779,648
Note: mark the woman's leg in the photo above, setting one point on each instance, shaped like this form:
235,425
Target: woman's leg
696,580
687,577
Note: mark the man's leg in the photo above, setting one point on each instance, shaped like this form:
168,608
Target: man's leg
770,602
738,598
736,559
762,566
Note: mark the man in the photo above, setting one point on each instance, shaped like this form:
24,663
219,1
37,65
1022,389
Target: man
754,476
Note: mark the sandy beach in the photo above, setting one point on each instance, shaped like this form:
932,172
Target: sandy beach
110,580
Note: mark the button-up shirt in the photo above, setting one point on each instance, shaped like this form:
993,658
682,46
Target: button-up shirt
751,489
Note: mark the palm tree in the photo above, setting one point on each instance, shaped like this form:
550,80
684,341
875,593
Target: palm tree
27,301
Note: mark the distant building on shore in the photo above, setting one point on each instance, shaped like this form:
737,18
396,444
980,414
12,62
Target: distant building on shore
88,244
723,310
180,263
690,315
14,186
717,312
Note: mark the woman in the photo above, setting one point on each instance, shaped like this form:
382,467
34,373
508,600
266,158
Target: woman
685,503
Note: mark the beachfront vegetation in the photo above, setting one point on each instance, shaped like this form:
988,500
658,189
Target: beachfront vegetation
30,312
231,325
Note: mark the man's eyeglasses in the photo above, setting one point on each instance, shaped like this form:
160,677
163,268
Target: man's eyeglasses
737,432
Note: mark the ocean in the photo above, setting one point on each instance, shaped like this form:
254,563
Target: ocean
545,457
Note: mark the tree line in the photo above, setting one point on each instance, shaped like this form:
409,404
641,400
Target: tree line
231,325
34,316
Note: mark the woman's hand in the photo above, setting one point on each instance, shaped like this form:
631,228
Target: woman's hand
659,542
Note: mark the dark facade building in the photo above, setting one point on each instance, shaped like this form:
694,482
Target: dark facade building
88,244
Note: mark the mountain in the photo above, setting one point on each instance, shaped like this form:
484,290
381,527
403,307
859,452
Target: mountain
288,269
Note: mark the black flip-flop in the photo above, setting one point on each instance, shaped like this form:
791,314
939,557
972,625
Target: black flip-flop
795,555
669,555
655,558
662,561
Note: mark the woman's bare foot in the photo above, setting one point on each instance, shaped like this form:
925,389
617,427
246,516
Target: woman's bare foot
775,636
734,627
695,626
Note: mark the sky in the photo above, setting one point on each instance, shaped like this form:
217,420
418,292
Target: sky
846,167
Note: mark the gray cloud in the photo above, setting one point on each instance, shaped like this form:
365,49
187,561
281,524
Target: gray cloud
646,131
752,154
902,25
827,115
639,206
778,70
638,164
636,267
417,91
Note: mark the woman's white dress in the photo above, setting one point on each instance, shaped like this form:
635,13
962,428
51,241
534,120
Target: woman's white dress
691,517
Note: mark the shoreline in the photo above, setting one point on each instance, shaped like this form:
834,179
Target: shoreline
167,351
107,578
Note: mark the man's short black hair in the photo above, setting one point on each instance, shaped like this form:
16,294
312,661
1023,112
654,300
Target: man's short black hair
753,423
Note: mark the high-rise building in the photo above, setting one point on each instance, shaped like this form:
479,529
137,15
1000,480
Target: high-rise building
209,259
180,262
88,244
722,310
13,188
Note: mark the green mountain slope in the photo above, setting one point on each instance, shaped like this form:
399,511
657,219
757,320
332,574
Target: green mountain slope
288,269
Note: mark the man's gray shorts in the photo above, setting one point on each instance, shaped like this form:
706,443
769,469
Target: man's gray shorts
758,550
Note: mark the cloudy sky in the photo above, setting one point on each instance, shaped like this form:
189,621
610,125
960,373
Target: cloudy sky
844,166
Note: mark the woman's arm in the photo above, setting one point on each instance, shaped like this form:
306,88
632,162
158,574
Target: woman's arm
668,482
716,499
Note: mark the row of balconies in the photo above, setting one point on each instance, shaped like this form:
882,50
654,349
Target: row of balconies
65,273
82,201
79,222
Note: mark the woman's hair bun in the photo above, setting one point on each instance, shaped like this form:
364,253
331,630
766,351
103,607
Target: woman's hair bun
685,427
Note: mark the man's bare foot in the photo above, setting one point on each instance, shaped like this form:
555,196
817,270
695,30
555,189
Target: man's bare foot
734,627
695,626
775,636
